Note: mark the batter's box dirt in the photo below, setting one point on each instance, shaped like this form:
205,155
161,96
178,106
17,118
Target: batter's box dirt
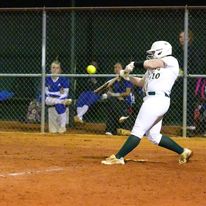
67,170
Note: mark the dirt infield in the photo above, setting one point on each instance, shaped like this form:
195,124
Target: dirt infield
42,170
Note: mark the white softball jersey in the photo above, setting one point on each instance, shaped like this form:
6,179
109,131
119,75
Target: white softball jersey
161,80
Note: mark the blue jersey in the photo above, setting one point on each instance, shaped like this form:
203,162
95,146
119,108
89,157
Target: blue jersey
55,88
121,86
58,88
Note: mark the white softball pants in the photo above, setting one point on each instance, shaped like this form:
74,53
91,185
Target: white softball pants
149,118
81,111
57,122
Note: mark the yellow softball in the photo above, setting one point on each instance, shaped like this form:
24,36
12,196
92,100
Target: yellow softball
91,69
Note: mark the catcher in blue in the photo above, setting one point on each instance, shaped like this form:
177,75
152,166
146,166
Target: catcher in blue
161,72
57,90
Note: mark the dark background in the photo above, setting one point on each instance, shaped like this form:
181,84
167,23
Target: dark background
21,44
82,3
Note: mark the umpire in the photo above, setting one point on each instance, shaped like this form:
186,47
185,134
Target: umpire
118,102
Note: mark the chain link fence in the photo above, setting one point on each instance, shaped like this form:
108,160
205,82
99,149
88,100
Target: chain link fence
77,37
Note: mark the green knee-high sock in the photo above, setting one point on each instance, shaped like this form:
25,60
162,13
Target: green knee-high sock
168,143
128,146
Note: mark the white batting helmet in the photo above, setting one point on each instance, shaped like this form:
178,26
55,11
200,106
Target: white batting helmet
159,49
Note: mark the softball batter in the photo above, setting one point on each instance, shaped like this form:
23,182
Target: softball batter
161,72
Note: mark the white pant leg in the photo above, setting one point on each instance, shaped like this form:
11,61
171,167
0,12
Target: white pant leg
152,109
154,134
82,110
67,115
52,120
62,120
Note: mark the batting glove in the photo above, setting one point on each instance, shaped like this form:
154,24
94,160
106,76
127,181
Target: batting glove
124,74
129,68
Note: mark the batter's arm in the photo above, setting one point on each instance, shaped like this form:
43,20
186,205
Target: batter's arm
147,64
134,80
154,64
137,81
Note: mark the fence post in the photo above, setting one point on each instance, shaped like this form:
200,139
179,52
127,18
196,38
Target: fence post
43,70
72,65
184,134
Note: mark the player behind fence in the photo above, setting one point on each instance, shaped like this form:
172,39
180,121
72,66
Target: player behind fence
57,90
200,109
162,69
87,98
120,99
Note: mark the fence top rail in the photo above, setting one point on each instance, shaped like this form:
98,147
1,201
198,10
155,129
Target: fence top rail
61,75
84,75
99,8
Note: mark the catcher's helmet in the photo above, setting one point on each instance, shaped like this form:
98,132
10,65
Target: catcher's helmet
159,49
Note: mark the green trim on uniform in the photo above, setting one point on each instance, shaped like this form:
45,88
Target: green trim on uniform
128,146
170,144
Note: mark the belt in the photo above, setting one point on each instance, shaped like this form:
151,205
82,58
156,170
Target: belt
50,106
53,96
155,93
